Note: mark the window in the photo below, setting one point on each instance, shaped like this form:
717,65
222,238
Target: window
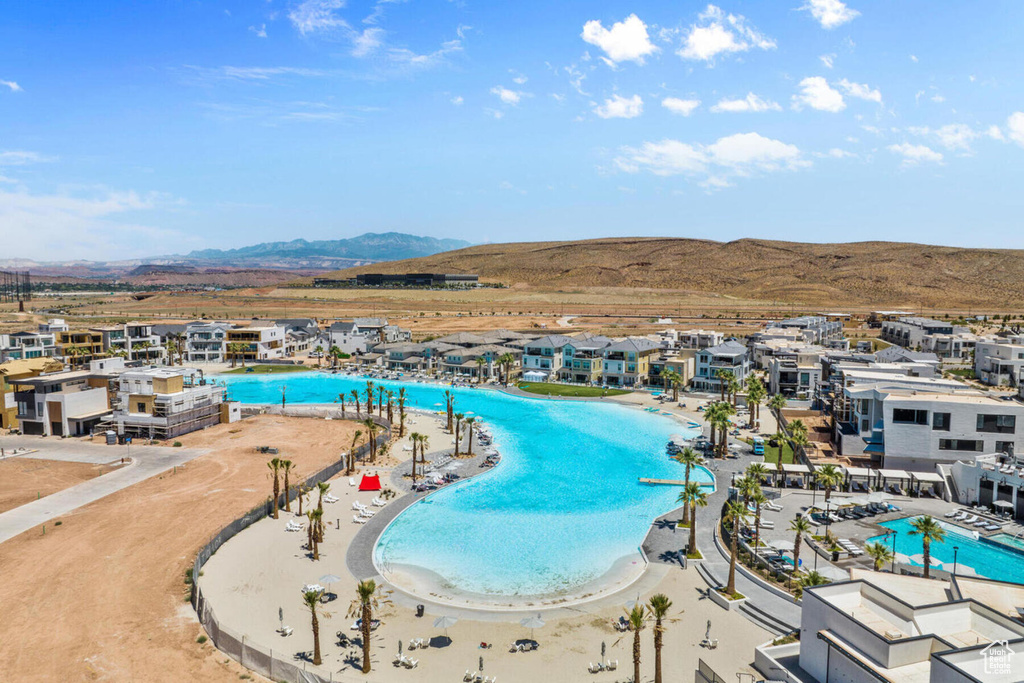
997,424
805,379
961,445
907,416
940,422
140,407
1005,447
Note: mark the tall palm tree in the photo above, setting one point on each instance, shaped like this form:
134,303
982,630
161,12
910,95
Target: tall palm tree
690,459
391,406
371,435
672,380
694,497
318,531
659,606
381,392
799,526
828,476
735,514
929,530
319,351
369,397
637,617
747,487
757,471
506,360
758,499
341,400
355,401
449,402
415,439
480,363
723,377
286,466
459,417
712,416
733,386
363,608
756,394
776,403
470,421
402,398
424,443
880,554
351,462
312,600
275,467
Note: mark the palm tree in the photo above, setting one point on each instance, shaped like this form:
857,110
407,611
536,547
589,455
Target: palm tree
735,514
363,608
286,465
799,526
312,600
322,488
335,353
275,467
690,458
310,537
391,406
449,402
733,385
659,606
879,553
319,351
351,463
757,471
756,393
369,397
929,530
813,578
371,435
341,400
381,391
693,496
747,487
506,360
317,518
470,421
637,617
480,363
723,377
402,397
758,499
711,416
828,476
424,443
415,439
776,403
672,380
720,420
459,417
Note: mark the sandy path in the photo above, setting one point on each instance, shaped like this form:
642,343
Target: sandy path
103,598
25,479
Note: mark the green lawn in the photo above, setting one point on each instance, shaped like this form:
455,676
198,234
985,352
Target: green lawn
266,369
548,389
771,453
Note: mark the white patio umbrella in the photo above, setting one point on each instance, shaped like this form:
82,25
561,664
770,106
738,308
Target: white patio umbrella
782,544
532,623
834,573
878,497
445,622
329,579
1003,504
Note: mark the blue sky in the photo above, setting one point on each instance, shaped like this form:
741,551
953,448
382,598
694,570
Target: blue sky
131,129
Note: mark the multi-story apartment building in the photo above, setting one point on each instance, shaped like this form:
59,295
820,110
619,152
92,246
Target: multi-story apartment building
132,341
683,362
583,359
628,362
910,331
163,403
255,342
795,372
913,423
728,356
62,403
1000,361
958,345
477,361
22,345
53,326
543,358
362,334
814,329
206,342
79,347
690,339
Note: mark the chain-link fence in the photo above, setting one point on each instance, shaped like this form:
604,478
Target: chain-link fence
251,655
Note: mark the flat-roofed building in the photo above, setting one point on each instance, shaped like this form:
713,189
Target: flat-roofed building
61,404
728,356
163,403
23,345
255,342
79,347
814,329
206,342
1000,362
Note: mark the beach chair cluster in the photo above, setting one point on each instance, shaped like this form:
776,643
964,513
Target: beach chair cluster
492,459
407,662
418,644
850,547
331,498
610,665
621,625
970,519
477,677
292,525
523,646
363,510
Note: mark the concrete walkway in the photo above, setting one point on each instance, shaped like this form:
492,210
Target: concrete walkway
147,461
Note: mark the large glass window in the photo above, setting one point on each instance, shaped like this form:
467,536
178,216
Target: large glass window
961,445
940,422
997,424
907,416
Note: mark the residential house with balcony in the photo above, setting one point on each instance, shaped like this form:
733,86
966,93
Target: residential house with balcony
79,347
627,362
53,326
814,329
206,342
728,356
479,362
682,362
163,403
795,372
583,358
11,372
910,331
255,342
542,358
62,403
22,345
999,362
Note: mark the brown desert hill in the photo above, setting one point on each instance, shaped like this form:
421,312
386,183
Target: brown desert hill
867,273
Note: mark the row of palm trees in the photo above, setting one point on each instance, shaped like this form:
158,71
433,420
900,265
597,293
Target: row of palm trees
335,354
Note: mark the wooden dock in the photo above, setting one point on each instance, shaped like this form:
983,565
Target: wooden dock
665,482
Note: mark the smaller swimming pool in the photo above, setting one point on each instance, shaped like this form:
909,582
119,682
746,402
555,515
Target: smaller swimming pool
987,558
1010,540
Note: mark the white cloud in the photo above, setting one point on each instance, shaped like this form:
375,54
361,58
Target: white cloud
995,133
913,58
22,157
1015,127
406,57
817,94
367,42
679,106
830,13
507,96
953,136
618,107
750,103
625,41
861,91
12,85
938,99
739,155
254,73
828,60
519,79
313,16
719,33
457,100
835,153
260,32
913,154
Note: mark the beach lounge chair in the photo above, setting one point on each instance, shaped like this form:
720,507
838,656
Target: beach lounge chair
469,676
981,523
993,527
594,668
367,513
612,665
399,660
952,513
356,505
969,519
351,481
766,524
285,631
411,663
358,520
378,502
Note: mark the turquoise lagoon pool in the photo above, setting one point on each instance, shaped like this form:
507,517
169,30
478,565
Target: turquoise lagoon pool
988,558
560,510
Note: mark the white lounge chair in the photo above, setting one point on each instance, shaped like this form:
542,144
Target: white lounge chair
356,505
411,663
378,502
351,481
366,513
969,519
358,520
469,676
399,660
612,665
594,668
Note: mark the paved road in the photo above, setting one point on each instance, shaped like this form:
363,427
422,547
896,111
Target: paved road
65,450
147,462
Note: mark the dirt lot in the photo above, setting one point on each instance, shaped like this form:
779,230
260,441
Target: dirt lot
25,479
102,597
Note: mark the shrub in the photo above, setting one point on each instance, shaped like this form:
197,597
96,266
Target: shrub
201,639
176,444
58,523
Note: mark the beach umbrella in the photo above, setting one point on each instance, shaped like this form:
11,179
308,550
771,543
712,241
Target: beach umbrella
329,579
445,622
782,544
878,497
532,623
834,573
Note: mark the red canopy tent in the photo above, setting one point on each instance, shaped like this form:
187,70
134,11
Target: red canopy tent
369,483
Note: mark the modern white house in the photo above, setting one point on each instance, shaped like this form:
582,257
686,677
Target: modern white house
910,331
543,358
999,362
882,627
362,334
163,403
583,359
627,362
206,342
22,345
728,356
691,339
815,329
256,342
795,371
61,403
